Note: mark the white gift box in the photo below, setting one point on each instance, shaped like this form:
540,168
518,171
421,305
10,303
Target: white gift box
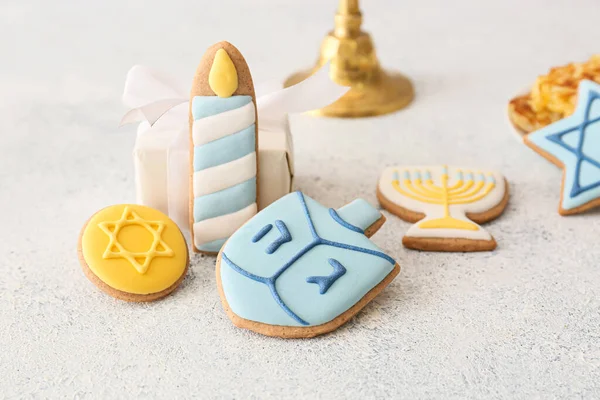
154,148
150,161
276,164
162,154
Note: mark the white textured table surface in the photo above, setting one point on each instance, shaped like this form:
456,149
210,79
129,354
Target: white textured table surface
520,322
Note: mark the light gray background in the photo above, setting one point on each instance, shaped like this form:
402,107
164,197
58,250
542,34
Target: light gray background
520,322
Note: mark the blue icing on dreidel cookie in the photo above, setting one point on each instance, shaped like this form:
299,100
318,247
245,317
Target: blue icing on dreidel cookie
299,269
574,144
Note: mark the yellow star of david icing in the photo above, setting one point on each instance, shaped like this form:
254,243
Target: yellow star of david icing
131,218
134,249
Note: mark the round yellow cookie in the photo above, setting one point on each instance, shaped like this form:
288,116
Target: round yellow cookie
133,252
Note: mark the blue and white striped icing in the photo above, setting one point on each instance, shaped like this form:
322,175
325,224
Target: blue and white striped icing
224,164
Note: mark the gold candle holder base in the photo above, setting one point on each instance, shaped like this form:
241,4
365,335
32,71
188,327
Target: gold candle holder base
384,95
373,91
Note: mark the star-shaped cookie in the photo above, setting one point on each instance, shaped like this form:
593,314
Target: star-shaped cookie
573,143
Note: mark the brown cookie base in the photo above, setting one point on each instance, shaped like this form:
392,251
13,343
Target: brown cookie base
295,332
374,227
133,297
577,210
205,253
201,87
446,244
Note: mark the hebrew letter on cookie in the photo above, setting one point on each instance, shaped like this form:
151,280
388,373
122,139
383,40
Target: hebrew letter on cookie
447,204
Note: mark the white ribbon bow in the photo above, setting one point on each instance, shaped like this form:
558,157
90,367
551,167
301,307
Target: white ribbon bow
151,94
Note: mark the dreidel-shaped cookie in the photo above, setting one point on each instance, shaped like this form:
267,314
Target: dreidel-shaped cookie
223,136
300,269
446,204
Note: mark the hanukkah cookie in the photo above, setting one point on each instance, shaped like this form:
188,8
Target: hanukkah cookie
573,143
223,143
133,253
445,203
299,269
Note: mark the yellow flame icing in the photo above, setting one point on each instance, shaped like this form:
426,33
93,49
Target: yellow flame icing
223,78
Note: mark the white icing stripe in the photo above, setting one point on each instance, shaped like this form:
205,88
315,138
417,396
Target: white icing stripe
215,127
222,176
223,226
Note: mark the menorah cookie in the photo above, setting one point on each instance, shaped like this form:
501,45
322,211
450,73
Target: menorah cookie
223,135
446,204
299,269
133,252
573,143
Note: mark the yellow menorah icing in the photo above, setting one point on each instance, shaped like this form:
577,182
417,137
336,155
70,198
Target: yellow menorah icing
467,189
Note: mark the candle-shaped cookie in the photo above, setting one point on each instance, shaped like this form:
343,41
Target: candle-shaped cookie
223,134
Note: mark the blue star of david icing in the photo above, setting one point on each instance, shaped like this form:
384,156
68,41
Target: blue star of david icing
575,142
298,263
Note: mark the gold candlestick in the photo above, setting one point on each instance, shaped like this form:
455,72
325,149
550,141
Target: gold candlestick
351,53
